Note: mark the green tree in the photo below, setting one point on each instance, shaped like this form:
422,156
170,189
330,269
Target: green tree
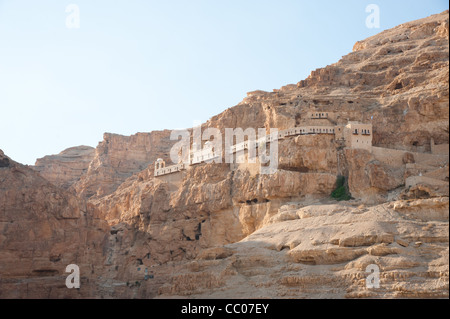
341,191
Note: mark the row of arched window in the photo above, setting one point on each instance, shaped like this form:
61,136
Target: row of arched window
319,115
363,131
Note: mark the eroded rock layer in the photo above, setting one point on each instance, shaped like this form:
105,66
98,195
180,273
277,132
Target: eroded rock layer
221,230
67,167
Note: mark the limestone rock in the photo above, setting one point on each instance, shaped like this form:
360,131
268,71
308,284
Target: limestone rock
43,229
228,231
4,160
329,258
118,157
67,167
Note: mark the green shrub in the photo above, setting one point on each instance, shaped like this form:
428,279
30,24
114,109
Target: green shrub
341,192
340,181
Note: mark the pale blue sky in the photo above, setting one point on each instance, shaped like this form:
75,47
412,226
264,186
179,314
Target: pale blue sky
137,66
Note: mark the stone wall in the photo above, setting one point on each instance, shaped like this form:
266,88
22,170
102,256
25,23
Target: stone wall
439,149
389,156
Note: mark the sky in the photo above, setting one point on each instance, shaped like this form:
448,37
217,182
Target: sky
131,66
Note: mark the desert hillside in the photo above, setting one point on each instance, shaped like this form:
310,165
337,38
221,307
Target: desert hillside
375,123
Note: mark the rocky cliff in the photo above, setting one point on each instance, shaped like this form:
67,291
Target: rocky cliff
221,230
118,157
67,167
44,228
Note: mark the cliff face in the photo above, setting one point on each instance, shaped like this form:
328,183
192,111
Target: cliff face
226,230
400,78
43,229
396,80
118,157
323,251
67,167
